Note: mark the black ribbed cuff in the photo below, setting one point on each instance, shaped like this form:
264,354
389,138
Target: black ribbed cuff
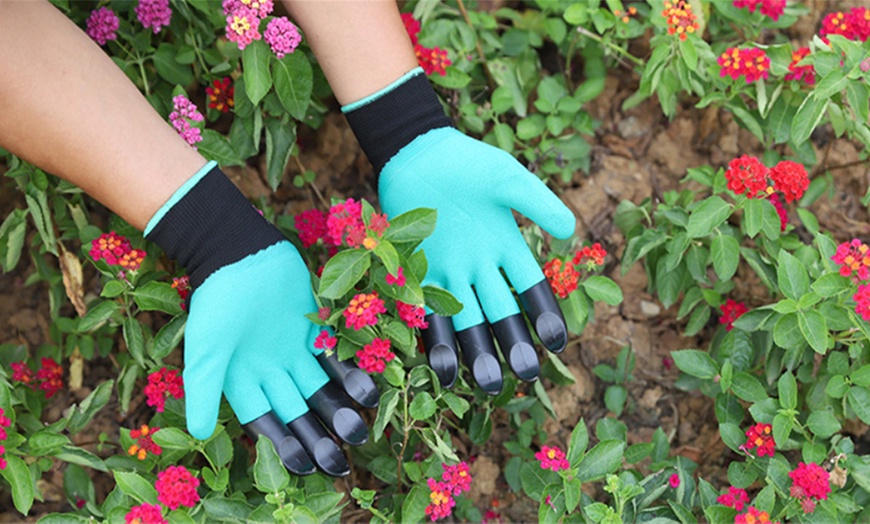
390,122
212,226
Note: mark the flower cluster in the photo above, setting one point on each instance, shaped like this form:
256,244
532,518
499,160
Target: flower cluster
862,301
177,487
564,277
363,310
746,174
735,498
116,251
144,444
752,516
243,19
343,225
413,316
373,357
397,280
432,60
454,481
552,458
325,341
161,384
780,210
731,311
751,63
220,94
674,481
854,25
4,423
796,72
102,25
181,285
771,8
625,16
282,36
154,14
809,484
854,261
48,378
183,112
680,18
311,225
760,436
145,514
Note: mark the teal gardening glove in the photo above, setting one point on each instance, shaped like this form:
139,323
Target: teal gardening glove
423,161
246,334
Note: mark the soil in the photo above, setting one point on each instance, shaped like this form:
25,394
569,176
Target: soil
636,154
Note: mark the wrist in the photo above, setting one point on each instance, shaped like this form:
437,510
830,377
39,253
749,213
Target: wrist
392,118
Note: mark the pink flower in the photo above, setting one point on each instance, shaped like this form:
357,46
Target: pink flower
282,36
4,423
363,311
760,436
440,500
854,260
862,301
154,14
752,516
260,8
552,458
22,373
398,280
731,311
243,27
674,481
735,498
325,341
457,478
809,483
780,210
177,487
311,225
51,375
412,26
102,25
752,63
162,384
378,223
413,316
345,225
145,444
796,72
323,313
771,8
373,357
185,111
145,514
109,247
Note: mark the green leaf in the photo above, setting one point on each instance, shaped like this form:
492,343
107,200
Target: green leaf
17,474
787,333
454,78
134,340
386,408
280,138
830,285
747,387
255,65
168,338
158,296
423,406
113,288
732,435
270,476
604,458
414,506
411,226
710,214
79,416
782,426
215,146
457,405
696,363
859,401
134,485
388,255
791,276
169,68
441,301
294,80
823,424
343,271
787,387
725,251
603,289
219,448
535,479
76,455
579,441
814,328
807,118
752,213
46,442
97,315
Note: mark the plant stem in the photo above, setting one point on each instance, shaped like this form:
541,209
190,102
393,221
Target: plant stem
585,32
489,79
141,62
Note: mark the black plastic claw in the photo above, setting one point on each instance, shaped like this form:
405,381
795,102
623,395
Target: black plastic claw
440,343
358,385
540,305
335,410
517,347
291,451
480,356
319,445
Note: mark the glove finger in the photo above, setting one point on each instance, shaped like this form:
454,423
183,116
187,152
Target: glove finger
544,312
319,445
356,383
439,341
530,196
517,347
289,448
205,369
471,314
480,357
334,408
494,294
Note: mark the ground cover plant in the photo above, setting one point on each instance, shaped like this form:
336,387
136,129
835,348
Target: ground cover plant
743,253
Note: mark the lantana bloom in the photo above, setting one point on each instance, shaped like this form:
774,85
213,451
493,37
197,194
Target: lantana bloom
735,498
746,174
397,280
680,18
282,36
862,301
563,277
177,487
325,341
145,514
102,25
4,423
590,256
751,63
162,384
854,260
344,224
674,481
311,225
432,60
731,311
457,477
145,444
109,247
51,375
796,72
220,94
810,483
854,25
771,8
552,458
441,501
413,316
790,178
363,310
752,516
154,14
780,210
373,357
760,436
183,113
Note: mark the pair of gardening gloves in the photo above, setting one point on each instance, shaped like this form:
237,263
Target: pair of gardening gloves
247,336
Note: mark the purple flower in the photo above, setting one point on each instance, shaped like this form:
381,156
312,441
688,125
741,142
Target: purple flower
282,36
154,14
184,111
102,25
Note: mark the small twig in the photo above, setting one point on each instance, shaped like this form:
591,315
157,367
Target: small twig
489,79
314,187
585,32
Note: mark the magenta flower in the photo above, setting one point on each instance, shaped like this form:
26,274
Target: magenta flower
102,25
282,36
177,487
184,111
154,14
552,458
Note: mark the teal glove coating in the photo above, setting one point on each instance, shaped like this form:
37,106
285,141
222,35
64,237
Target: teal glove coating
247,337
473,186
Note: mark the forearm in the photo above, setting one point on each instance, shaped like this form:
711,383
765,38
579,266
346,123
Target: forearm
361,45
71,111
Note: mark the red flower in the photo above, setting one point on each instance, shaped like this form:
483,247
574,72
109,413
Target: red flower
771,8
752,516
796,72
363,311
109,247
760,436
680,18
809,484
590,256
132,260
790,178
862,301
311,225
144,442
182,286
412,26
562,280
780,210
854,260
373,357
323,313
731,311
746,174
854,25
51,375
161,385
325,341
457,477
177,487
398,280
344,224
220,94
440,500
413,316
752,63
145,514
4,423
674,481
735,498
552,458
22,373
432,60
